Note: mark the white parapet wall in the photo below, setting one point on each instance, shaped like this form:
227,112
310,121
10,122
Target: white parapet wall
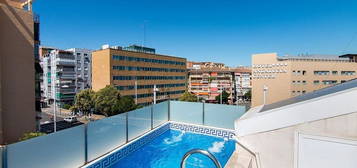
279,135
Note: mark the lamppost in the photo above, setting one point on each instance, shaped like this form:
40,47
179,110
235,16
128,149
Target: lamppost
56,84
155,90
265,90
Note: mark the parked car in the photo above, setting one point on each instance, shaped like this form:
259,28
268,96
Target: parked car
70,119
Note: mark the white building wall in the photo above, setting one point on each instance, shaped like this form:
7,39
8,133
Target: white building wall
278,148
46,61
274,134
83,71
83,68
242,83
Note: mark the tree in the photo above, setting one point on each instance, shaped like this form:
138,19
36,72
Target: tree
106,101
66,106
30,135
84,101
248,95
225,96
125,104
189,97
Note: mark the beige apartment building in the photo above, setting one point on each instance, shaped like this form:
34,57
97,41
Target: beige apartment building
283,77
208,79
134,71
17,70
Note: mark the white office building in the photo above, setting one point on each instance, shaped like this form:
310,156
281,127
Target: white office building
83,68
66,72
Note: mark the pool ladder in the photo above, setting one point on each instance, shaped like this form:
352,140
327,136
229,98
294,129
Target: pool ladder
203,152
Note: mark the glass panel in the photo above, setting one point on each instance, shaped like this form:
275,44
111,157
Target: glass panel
62,149
1,150
160,113
106,134
187,112
139,121
222,116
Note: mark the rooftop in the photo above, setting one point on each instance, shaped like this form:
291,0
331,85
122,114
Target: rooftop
311,95
314,57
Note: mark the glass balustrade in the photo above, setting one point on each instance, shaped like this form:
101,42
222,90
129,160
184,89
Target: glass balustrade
79,145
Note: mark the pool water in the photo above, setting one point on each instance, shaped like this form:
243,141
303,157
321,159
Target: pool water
167,150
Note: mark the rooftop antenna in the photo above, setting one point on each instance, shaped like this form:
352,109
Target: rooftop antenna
144,35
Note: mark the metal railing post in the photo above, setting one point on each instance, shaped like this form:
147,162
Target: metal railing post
152,116
203,113
4,157
169,111
127,126
85,143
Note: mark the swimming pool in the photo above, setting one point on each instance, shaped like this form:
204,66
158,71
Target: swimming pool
168,149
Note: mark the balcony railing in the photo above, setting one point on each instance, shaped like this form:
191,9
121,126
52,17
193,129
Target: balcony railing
74,147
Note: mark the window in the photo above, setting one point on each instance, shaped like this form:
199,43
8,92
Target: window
316,82
304,82
321,72
343,81
329,82
303,72
348,72
149,77
293,82
304,91
130,68
137,59
334,72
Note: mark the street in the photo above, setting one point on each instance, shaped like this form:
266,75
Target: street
46,122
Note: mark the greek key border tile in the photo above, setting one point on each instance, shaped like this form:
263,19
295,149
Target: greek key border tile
121,153
202,130
126,150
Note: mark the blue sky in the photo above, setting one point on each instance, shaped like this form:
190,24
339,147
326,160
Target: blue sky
227,31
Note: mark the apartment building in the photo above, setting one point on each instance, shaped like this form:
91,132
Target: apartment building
83,68
66,72
207,83
242,82
18,87
60,76
208,79
283,77
135,72
203,65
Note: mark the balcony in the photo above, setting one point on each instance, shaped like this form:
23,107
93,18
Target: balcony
66,63
68,76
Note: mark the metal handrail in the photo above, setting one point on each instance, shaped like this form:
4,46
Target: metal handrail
249,151
204,152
